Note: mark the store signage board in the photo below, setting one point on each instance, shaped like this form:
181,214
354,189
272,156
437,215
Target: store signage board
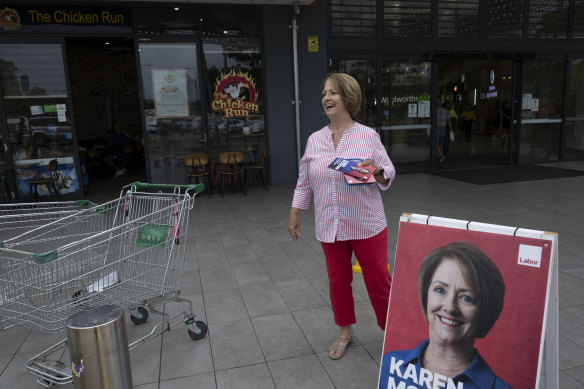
70,19
521,346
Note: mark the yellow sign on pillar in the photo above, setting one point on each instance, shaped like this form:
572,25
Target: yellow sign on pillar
313,44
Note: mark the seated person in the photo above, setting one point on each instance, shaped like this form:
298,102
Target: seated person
119,147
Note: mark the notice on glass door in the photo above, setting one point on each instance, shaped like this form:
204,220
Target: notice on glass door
412,110
170,93
526,101
423,109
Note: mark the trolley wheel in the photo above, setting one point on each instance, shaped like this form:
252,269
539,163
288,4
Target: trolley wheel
140,320
202,328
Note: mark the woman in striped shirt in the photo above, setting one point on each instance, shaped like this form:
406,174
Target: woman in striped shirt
348,217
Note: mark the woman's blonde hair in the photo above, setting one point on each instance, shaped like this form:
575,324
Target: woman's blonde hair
348,89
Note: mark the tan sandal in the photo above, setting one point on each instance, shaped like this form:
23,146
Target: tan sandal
339,347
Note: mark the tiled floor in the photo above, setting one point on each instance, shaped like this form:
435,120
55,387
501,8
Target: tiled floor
265,297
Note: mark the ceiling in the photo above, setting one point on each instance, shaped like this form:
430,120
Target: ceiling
244,2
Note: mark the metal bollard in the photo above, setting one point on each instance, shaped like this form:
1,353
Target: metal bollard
98,345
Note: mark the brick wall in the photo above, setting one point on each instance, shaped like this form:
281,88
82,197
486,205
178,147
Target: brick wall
104,87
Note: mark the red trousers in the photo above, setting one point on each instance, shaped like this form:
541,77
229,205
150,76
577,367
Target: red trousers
372,256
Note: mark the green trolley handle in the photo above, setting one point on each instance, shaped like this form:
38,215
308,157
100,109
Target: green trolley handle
197,188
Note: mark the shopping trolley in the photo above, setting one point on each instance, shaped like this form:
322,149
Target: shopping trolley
129,251
21,217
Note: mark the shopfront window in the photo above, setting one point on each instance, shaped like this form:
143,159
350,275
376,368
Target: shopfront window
574,139
406,93
364,72
541,107
172,108
235,118
39,119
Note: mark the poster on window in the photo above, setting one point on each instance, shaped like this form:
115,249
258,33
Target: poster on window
467,309
64,177
170,93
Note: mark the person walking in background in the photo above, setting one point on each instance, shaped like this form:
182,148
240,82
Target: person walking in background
468,119
495,121
444,123
348,217
506,124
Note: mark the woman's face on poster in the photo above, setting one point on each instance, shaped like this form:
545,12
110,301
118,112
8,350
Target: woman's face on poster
452,309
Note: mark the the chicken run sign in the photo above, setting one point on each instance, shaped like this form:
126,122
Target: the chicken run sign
235,95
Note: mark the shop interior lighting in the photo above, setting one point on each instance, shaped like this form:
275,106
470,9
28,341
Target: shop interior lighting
176,8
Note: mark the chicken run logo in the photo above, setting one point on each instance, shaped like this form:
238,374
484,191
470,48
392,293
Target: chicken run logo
9,20
235,95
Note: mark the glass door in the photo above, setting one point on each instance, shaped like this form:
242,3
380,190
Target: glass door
478,95
365,72
574,131
38,118
406,90
541,110
172,108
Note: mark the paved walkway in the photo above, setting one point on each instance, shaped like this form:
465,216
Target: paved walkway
265,297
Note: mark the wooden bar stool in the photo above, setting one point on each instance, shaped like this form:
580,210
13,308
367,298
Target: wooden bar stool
231,166
196,167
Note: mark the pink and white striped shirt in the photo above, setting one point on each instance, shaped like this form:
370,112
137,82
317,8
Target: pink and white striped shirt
342,212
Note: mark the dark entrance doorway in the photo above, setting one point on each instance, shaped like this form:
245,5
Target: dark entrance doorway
105,93
478,94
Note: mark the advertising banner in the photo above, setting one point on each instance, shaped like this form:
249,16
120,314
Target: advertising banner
66,180
467,309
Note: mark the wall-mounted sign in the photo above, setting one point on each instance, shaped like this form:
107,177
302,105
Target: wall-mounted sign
235,95
64,19
9,19
313,44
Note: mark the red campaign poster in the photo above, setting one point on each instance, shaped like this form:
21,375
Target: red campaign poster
462,315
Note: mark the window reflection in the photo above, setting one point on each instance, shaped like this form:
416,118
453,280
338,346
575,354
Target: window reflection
35,101
173,117
38,115
406,89
364,72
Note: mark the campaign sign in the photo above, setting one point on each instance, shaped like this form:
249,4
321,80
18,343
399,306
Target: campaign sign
466,310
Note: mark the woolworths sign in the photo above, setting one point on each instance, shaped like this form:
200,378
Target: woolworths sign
396,100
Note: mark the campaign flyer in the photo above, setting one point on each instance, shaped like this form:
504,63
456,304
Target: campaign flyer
351,180
352,168
466,310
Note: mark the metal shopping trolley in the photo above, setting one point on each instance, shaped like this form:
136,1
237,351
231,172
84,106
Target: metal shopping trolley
21,217
129,251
